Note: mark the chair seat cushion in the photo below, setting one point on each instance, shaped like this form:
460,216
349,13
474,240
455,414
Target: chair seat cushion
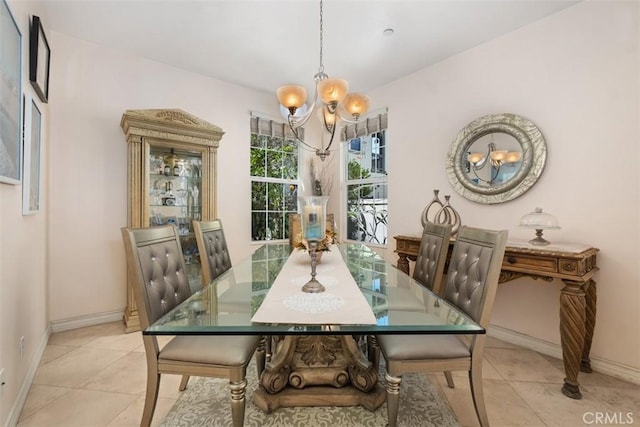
213,350
421,347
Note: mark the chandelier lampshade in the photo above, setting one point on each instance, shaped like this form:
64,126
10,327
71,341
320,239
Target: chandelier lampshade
356,104
332,91
292,97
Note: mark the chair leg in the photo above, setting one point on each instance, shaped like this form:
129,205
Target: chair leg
238,390
449,377
261,356
373,351
475,381
393,399
150,398
183,382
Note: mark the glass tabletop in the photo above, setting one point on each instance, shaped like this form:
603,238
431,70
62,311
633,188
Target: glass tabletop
400,304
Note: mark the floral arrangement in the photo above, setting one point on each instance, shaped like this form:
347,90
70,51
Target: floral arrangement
302,244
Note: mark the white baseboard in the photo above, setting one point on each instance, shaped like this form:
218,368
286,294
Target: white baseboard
21,399
598,364
83,321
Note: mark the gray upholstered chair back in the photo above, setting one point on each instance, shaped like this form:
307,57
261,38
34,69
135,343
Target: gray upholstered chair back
156,270
432,255
474,269
212,246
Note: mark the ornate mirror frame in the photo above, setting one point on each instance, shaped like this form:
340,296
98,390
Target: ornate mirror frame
534,154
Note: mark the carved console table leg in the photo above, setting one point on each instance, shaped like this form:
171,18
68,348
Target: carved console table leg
572,334
590,324
403,263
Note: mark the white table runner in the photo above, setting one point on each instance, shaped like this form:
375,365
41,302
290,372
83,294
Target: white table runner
342,301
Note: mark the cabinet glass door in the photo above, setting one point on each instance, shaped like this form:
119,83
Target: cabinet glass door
175,184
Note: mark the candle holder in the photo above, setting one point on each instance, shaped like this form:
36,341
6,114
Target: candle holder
314,212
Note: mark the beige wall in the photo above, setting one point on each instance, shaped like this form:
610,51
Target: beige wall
575,74
23,292
93,87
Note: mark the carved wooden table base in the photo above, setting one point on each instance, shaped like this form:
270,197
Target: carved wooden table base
577,298
318,370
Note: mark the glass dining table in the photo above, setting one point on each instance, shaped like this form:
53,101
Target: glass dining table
316,364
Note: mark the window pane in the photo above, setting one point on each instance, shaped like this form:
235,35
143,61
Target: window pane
274,143
367,213
378,151
290,166
257,141
275,196
355,170
291,198
290,146
258,196
258,225
274,164
276,225
257,162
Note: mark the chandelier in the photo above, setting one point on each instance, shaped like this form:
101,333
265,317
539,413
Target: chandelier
336,103
496,158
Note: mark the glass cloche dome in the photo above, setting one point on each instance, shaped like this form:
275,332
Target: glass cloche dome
539,221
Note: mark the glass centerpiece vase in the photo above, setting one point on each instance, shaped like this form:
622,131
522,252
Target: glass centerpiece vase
313,221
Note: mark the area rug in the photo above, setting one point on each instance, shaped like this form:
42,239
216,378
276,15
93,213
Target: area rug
207,402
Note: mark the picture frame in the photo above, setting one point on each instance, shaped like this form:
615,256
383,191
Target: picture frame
39,59
32,150
10,97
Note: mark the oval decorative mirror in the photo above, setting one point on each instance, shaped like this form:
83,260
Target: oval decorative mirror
496,158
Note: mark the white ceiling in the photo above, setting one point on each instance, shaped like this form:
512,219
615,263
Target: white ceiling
262,44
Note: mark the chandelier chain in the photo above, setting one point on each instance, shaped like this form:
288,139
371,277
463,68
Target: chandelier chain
321,70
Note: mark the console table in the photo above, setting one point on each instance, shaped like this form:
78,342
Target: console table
574,264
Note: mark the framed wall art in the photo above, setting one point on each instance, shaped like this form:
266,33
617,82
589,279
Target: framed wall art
39,59
32,148
10,97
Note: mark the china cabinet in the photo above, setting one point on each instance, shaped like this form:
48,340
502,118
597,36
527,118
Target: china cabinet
171,177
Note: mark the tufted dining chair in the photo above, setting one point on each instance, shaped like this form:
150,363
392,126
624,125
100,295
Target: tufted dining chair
432,255
428,270
472,281
214,261
212,247
157,271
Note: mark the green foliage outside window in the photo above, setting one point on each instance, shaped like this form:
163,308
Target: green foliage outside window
274,187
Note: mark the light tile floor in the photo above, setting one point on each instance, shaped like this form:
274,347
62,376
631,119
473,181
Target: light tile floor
96,376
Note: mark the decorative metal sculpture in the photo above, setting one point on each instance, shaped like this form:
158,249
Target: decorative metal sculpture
444,213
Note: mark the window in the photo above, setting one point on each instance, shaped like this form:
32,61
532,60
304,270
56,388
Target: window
274,179
366,180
